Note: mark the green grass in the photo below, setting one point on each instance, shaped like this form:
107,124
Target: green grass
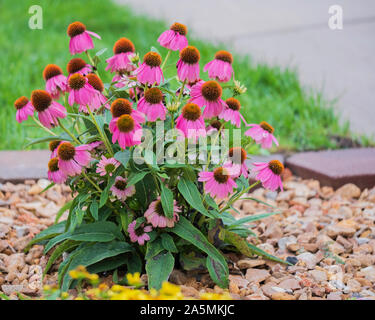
302,120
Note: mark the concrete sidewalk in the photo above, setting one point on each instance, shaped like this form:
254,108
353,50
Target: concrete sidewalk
292,33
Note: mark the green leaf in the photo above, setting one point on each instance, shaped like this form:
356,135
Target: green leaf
153,248
265,254
94,209
168,243
187,231
134,263
192,261
47,188
102,231
108,264
211,202
123,157
65,207
217,272
167,201
65,246
93,253
46,234
104,197
159,269
259,201
100,52
191,194
253,218
47,139
134,178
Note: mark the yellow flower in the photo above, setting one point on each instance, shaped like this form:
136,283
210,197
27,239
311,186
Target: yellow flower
171,290
134,279
215,296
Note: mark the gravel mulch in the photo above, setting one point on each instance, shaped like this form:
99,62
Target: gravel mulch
328,236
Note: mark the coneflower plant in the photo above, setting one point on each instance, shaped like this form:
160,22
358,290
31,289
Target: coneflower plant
153,163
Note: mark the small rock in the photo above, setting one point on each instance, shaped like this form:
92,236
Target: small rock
282,243
292,260
238,281
334,231
319,276
250,263
257,275
309,259
289,284
282,296
354,285
349,191
9,289
369,273
337,295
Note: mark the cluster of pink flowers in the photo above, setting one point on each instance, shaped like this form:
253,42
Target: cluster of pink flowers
83,88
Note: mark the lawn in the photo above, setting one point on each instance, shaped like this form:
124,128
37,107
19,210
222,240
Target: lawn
302,119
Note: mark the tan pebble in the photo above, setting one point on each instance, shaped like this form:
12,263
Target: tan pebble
282,296
250,263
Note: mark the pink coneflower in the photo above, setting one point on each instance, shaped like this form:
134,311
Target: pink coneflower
78,65
107,166
221,67
149,71
24,109
262,134
99,100
126,131
214,127
55,174
81,91
48,110
190,122
53,147
73,159
156,216
232,112
123,50
188,65
80,39
269,174
121,190
218,182
208,94
140,234
122,106
151,104
56,82
94,145
174,38
237,162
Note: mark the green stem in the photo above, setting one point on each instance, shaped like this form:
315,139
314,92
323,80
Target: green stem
42,126
102,134
239,195
68,132
92,182
182,91
96,70
166,58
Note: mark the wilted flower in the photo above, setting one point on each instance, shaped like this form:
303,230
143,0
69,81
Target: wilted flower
80,39
156,216
121,190
269,174
24,109
138,235
149,72
56,82
48,110
174,38
221,67
262,134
